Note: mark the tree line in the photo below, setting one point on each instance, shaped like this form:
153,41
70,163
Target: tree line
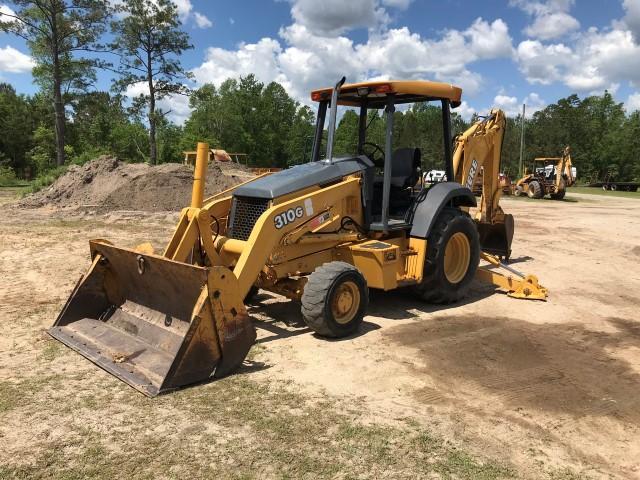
68,120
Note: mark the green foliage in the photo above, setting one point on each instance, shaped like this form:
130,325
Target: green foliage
419,126
245,116
603,139
102,125
300,137
17,122
7,177
58,33
149,41
46,178
42,155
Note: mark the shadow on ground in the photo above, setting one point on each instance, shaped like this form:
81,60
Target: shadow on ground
561,368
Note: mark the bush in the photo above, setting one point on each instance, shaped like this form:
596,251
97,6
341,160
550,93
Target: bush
88,155
8,177
46,178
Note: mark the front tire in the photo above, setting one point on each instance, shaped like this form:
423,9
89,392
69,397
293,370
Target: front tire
335,300
535,190
453,255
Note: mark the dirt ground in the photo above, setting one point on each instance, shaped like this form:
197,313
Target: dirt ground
492,387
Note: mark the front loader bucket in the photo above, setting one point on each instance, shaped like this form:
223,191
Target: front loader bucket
496,238
154,323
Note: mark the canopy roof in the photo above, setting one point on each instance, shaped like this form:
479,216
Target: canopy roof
406,91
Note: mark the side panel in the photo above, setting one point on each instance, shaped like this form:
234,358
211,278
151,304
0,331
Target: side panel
438,197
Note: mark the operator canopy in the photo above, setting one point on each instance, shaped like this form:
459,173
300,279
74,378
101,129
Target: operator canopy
406,91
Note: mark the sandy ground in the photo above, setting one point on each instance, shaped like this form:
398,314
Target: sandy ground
540,385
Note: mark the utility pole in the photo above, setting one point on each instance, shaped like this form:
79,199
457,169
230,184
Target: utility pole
522,139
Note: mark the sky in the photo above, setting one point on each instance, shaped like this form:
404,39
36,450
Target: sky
502,53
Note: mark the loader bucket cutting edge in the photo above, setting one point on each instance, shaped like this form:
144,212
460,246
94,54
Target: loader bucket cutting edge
496,238
154,323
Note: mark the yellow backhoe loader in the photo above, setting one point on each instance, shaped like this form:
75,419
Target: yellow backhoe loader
322,233
552,178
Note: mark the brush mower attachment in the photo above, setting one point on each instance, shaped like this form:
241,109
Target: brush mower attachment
155,323
496,238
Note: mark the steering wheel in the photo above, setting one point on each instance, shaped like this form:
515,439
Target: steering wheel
378,161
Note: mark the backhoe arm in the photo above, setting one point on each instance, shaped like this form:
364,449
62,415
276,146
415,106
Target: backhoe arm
480,147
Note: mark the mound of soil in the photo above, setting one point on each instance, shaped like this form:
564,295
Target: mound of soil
108,184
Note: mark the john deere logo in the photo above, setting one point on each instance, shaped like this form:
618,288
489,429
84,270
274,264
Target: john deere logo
472,174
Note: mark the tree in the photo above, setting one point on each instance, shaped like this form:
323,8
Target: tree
346,137
16,124
300,137
55,31
149,41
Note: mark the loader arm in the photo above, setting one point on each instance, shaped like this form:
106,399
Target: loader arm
266,236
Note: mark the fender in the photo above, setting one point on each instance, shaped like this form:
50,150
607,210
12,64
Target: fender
439,196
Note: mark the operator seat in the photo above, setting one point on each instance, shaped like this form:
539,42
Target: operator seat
405,173
405,167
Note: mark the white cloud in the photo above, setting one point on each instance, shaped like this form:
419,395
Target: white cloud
509,104
512,106
184,8
543,63
632,17
201,20
14,61
598,59
399,4
552,25
259,58
551,18
302,60
633,103
489,40
333,17
465,110
6,10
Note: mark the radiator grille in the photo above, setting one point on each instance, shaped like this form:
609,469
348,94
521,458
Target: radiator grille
244,214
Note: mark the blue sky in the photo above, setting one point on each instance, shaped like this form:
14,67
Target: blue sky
502,52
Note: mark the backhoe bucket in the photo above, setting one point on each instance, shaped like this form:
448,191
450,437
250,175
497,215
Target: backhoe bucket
496,238
154,323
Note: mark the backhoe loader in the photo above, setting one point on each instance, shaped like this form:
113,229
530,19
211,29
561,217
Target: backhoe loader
552,178
322,233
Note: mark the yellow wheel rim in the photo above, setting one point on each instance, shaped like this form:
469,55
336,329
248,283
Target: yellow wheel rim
457,256
345,302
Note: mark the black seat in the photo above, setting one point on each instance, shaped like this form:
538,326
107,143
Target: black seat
405,167
405,173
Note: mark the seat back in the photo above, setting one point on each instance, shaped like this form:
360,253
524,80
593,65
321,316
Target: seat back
405,167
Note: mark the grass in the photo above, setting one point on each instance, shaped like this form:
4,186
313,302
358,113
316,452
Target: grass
599,191
231,428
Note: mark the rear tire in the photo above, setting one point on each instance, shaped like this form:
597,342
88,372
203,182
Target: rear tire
453,254
335,300
535,190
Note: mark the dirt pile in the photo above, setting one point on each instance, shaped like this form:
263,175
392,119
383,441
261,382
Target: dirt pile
108,184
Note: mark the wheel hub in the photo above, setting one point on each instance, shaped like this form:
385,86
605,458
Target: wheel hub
457,256
346,301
